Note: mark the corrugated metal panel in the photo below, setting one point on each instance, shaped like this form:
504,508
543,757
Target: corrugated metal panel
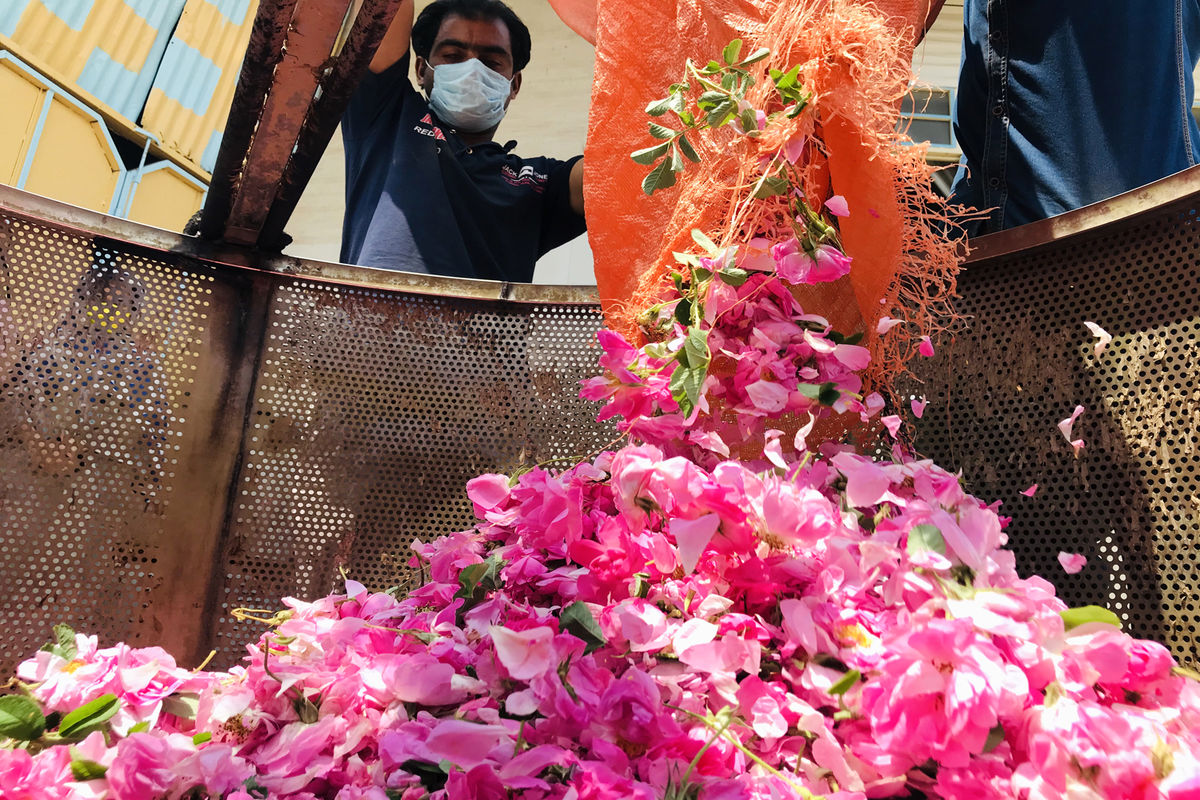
193,89
52,144
110,49
162,195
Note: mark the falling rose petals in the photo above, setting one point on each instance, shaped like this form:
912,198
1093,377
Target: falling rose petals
926,347
873,404
918,406
801,440
1071,562
1103,337
892,423
773,449
1067,424
885,324
1077,445
837,206
1031,491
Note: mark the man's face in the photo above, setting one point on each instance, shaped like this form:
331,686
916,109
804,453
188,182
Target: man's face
460,39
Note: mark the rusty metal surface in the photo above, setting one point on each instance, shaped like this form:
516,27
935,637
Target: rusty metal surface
370,24
310,39
246,425
1023,359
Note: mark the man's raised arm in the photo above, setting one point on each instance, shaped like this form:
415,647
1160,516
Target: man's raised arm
395,41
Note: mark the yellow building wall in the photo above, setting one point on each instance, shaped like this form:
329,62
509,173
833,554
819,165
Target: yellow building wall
165,197
52,145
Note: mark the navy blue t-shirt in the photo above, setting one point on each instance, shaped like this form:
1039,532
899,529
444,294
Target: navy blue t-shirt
1065,103
419,200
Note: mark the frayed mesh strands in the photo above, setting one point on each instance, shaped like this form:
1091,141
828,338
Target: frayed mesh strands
856,60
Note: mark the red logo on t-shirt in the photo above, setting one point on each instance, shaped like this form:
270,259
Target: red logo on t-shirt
526,176
432,130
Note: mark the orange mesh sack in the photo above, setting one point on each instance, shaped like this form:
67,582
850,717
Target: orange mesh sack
854,59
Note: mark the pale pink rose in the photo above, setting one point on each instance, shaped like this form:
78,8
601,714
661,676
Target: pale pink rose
692,537
525,654
643,625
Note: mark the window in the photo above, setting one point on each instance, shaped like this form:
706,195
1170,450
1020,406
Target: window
926,113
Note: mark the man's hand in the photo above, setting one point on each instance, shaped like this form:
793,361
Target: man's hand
395,41
576,186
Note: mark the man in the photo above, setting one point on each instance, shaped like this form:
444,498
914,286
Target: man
1068,103
427,188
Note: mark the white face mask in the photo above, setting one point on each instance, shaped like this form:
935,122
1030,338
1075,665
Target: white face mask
468,95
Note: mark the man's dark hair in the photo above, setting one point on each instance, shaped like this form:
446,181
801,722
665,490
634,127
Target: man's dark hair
429,22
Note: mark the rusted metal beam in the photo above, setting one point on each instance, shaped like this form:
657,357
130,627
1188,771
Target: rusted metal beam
314,31
370,24
263,53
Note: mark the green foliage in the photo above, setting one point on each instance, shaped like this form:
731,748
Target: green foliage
475,581
89,717
1074,617
63,645
577,620
21,718
723,87
923,538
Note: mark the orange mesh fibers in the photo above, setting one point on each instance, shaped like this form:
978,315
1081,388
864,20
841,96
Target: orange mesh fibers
855,57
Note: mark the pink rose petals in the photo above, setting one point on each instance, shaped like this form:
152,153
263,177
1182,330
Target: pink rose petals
1071,563
918,407
1066,426
1031,491
926,347
1103,337
837,206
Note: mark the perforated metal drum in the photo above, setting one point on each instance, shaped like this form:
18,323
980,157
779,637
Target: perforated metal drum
187,430
183,435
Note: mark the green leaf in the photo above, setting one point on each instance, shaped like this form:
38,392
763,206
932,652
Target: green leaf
683,311
923,538
141,727
826,394
63,645
577,620
661,132
1074,617
182,705
686,147
711,67
686,383
659,107
729,81
432,776
676,102
994,738
711,99
202,737
648,155
677,164
785,80
846,682
21,718
707,244
661,177
695,347
731,52
90,716
755,57
84,770
770,186
749,120
734,276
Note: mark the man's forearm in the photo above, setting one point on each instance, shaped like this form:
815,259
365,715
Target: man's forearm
396,40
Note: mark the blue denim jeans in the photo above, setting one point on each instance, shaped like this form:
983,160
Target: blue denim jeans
1062,103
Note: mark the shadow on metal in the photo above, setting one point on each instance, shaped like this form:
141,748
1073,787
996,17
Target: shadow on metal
185,432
